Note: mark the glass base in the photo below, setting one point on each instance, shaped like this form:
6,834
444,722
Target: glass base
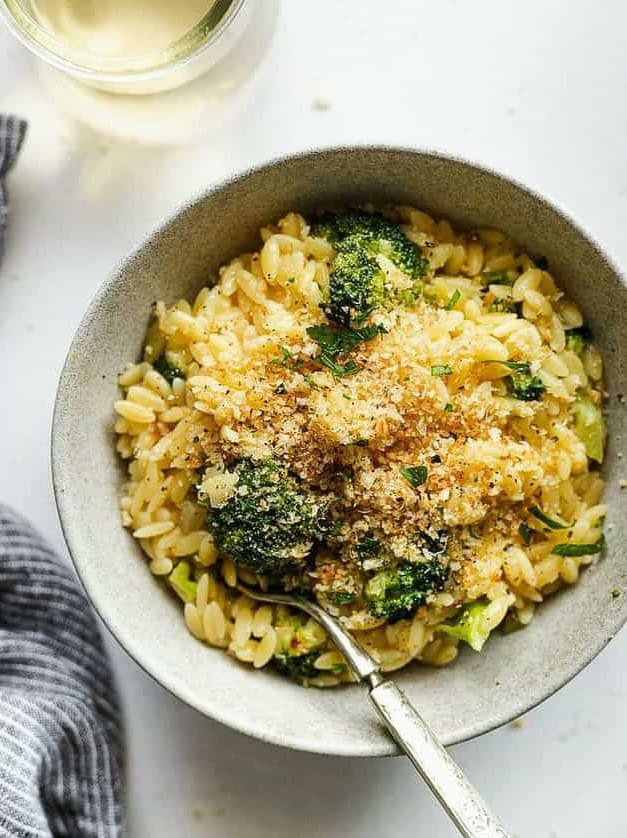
186,114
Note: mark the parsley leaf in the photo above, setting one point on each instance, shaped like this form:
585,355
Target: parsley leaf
287,359
441,369
335,342
454,300
338,370
579,549
550,522
341,597
523,367
526,533
338,341
416,475
496,278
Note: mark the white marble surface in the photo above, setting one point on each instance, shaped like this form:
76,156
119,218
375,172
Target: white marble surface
536,89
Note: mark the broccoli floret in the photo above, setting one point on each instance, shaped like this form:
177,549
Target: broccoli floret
298,646
525,386
468,625
357,283
325,227
269,524
395,594
298,667
181,582
578,339
590,427
167,369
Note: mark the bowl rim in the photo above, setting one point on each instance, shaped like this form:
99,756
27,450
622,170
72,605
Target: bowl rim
68,526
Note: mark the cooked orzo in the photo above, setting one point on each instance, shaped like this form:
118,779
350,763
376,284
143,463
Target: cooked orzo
397,419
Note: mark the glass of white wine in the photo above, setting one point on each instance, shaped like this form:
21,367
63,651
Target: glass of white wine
115,64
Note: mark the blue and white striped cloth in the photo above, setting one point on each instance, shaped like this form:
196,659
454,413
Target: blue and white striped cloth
12,131
61,740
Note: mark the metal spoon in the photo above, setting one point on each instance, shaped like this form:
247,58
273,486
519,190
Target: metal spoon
447,781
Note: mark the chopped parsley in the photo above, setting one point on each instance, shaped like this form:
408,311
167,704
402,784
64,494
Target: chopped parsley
287,359
338,370
338,341
522,367
454,300
334,341
550,522
441,369
526,533
579,549
448,407
340,597
416,475
496,278
367,547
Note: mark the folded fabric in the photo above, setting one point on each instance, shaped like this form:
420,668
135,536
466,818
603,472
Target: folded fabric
61,738
12,131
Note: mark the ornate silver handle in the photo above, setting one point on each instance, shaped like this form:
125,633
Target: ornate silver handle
444,777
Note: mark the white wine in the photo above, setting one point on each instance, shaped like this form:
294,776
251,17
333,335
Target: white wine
119,28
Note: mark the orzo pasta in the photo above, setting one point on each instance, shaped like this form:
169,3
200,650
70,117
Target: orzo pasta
397,419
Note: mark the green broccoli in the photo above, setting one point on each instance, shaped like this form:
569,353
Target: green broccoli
357,283
578,339
468,625
299,667
269,525
590,427
299,645
525,386
502,305
395,594
378,235
167,369
181,582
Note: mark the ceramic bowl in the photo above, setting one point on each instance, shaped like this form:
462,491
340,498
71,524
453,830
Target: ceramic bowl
479,691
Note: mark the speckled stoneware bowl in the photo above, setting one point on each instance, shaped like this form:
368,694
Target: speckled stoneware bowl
476,693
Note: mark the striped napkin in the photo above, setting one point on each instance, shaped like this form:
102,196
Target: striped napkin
12,131
61,739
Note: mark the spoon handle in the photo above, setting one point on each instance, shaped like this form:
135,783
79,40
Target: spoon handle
444,777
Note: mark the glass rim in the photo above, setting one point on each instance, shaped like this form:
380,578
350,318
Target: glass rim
185,49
